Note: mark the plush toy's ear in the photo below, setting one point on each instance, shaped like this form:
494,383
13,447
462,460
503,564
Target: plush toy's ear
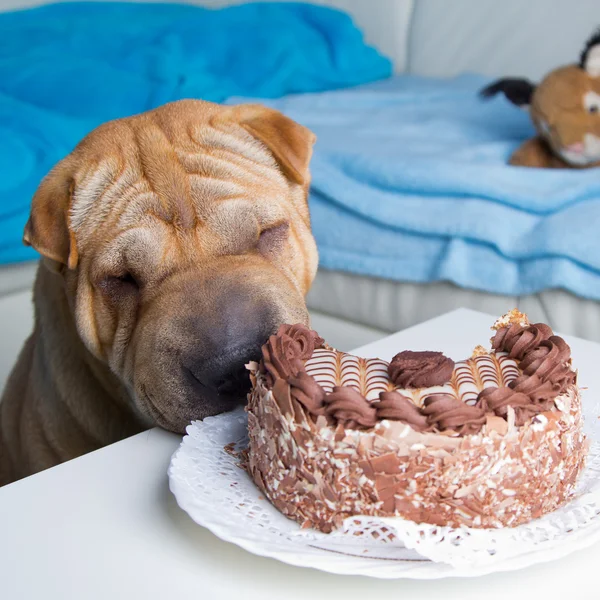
290,142
517,91
590,56
48,228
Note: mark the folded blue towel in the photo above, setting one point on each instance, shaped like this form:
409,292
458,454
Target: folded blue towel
411,182
66,68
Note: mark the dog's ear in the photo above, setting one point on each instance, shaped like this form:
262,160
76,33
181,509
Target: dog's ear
290,142
47,229
517,91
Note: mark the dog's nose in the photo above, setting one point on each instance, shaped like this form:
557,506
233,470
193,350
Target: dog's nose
224,377
225,344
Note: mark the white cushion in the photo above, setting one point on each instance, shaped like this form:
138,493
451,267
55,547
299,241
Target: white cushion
499,37
392,306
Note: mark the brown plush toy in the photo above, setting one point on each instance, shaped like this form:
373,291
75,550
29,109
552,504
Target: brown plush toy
565,109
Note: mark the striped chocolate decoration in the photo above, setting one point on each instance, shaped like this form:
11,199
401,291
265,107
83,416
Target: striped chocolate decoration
464,379
370,377
323,365
488,370
377,379
350,372
508,368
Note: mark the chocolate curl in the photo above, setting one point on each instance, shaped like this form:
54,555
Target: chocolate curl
517,340
420,369
349,408
498,399
444,411
306,391
396,407
289,406
282,395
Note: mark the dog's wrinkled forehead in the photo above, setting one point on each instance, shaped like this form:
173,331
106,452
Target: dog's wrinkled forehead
174,171
202,171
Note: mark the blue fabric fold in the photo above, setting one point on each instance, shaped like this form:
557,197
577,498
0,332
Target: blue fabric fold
66,68
411,183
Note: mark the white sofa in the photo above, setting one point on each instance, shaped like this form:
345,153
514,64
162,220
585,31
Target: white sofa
430,37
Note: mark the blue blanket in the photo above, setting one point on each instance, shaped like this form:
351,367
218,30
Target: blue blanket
66,68
411,182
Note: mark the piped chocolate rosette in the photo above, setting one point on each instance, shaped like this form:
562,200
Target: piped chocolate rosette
492,441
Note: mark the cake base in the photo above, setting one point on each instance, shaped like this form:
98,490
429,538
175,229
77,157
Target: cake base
319,476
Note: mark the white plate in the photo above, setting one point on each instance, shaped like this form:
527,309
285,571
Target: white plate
217,494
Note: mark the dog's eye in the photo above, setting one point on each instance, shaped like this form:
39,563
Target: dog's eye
273,238
127,279
593,108
119,284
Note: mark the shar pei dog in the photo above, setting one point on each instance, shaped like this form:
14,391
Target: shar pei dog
173,244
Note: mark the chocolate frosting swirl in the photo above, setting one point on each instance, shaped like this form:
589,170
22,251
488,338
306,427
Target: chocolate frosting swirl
348,407
396,407
444,411
517,340
283,353
306,391
545,364
498,399
281,357
563,377
307,339
544,360
549,360
538,390
420,369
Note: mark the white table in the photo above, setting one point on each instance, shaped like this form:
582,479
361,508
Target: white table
105,525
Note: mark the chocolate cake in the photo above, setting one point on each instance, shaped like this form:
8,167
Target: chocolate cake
492,441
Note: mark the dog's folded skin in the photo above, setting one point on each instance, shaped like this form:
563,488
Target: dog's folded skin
174,243
49,418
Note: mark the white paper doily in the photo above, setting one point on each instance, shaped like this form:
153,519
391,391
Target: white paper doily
210,486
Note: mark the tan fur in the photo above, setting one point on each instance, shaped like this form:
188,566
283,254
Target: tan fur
560,116
537,154
204,208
